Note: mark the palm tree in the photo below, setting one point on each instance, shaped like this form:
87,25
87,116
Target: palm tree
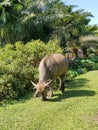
43,20
9,20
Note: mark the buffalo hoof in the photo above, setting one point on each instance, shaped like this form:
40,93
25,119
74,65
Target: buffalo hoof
50,94
62,90
34,96
44,99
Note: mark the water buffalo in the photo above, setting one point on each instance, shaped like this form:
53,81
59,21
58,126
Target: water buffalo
50,68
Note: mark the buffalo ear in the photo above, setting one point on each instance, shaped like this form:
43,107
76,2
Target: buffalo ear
35,86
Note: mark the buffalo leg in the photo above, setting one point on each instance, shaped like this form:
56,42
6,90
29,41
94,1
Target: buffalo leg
36,94
62,82
44,94
50,91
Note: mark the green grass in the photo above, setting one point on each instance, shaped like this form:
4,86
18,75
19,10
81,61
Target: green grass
76,109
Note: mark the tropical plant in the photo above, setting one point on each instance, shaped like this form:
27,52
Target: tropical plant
10,21
25,20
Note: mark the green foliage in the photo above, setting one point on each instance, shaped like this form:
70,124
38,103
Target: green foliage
25,20
91,63
10,21
19,64
80,66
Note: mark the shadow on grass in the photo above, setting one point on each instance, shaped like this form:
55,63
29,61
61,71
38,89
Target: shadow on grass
76,83
22,99
72,85
72,94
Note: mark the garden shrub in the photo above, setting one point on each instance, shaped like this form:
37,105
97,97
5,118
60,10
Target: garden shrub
19,64
79,66
71,74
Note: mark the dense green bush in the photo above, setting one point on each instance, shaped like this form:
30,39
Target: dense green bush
79,66
90,63
19,64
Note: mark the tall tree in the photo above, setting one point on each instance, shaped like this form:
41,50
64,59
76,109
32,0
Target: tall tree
10,22
42,19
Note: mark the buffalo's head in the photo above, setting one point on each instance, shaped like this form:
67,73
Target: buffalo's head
41,88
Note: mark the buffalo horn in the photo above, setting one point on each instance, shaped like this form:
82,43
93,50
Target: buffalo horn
33,84
48,83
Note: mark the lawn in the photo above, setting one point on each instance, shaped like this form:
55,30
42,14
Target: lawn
76,109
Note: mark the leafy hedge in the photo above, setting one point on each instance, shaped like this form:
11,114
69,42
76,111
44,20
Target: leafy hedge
80,66
19,64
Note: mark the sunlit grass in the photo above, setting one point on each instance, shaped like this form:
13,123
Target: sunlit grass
76,109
